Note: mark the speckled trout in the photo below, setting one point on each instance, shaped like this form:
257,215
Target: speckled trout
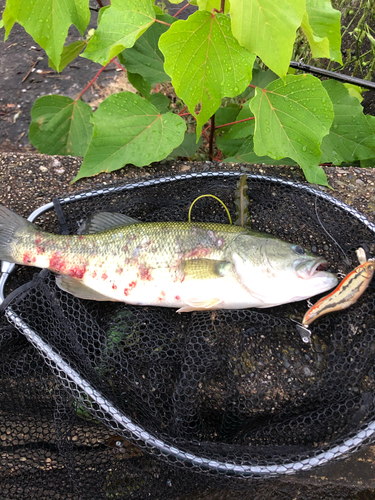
190,266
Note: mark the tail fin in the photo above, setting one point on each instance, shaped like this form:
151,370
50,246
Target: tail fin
10,225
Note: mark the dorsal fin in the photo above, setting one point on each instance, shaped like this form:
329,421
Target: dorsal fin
103,221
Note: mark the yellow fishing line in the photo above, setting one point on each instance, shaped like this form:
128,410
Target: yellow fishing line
216,198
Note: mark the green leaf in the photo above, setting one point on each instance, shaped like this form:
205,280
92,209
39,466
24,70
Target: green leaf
268,29
291,120
139,83
1,23
69,53
226,114
228,147
129,129
352,135
370,163
245,154
261,78
48,21
206,62
161,102
60,126
354,91
243,129
188,147
145,57
321,25
209,5
119,27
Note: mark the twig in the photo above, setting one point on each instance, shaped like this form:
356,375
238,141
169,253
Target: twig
222,6
30,70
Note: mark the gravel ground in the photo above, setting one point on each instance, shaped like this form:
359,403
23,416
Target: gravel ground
29,180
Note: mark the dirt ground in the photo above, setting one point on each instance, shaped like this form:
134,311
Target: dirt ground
27,76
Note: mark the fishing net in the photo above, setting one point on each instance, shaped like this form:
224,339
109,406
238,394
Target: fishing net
107,400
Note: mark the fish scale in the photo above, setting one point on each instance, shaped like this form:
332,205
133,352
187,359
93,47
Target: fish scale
190,266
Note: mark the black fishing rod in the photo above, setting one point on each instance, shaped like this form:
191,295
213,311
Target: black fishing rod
332,74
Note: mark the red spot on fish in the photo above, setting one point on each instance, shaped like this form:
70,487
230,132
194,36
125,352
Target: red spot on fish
77,272
114,287
145,273
132,285
198,253
38,238
27,258
161,296
94,274
104,276
125,248
39,250
80,237
119,270
58,264
177,297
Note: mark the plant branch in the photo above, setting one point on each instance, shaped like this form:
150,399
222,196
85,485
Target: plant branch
238,121
93,80
99,2
212,135
182,8
222,6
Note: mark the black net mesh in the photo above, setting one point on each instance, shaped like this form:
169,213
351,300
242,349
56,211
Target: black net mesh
106,400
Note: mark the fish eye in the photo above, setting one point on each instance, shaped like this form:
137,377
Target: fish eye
298,249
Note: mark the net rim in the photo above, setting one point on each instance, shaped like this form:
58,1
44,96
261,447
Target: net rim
138,432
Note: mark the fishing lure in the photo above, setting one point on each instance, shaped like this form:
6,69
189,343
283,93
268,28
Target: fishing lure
346,294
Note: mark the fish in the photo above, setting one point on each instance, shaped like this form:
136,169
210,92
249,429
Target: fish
345,295
184,265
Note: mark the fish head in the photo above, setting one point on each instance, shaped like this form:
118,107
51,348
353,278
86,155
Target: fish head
277,272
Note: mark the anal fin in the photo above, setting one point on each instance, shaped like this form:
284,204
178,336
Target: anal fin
200,305
78,289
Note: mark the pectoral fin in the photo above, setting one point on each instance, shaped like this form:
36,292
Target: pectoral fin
200,305
78,289
203,269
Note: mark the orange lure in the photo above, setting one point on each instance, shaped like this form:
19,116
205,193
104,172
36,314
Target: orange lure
346,294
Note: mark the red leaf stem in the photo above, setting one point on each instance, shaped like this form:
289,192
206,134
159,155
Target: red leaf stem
183,114
120,66
206,136
93,80
182,110
238,121
182,8
161,22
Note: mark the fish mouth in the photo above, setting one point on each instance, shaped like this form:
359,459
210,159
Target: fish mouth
312,269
